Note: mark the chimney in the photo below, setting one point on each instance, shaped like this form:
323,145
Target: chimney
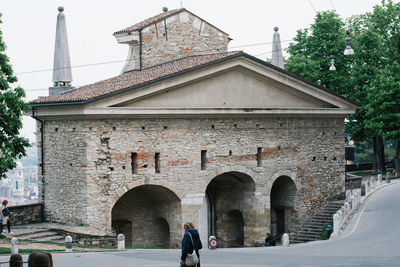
277,58
62,75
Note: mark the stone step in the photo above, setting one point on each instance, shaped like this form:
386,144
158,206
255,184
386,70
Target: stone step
312,229
20,233
38,235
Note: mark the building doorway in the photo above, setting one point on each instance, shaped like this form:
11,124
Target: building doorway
283,201
230,199
149,216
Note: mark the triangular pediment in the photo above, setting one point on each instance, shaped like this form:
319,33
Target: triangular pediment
235,88
239,85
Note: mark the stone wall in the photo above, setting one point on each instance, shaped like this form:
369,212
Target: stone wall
180,35
25,214
89,165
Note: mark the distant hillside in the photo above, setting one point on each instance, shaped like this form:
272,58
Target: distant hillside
32,158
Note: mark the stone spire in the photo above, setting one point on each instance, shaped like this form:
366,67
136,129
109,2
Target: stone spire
277,58
62,76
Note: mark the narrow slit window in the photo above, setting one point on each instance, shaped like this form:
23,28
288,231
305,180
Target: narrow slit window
157,162
134,163
203,159
259,150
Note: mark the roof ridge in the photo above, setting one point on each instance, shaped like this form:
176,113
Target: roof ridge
154,19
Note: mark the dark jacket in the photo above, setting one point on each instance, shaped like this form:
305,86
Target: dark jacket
271,240
187,246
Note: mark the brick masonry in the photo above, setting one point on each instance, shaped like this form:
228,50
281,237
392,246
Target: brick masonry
89,178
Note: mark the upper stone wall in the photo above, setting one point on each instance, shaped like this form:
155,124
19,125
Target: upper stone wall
179,35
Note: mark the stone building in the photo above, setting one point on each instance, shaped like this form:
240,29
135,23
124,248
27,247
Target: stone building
225,140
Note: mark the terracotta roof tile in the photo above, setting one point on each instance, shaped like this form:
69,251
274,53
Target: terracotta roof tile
151,20
134,78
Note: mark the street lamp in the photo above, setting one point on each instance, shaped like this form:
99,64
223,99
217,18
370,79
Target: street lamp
332,67
348,50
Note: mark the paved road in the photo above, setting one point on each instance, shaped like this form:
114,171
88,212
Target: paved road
371,239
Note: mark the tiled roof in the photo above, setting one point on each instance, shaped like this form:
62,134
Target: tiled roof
151,20
135,78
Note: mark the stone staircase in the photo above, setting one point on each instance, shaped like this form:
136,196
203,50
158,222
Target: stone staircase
311,230
42,235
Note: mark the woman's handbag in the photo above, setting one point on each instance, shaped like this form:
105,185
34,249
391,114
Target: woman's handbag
191,259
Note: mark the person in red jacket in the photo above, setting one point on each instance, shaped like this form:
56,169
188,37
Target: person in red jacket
187,246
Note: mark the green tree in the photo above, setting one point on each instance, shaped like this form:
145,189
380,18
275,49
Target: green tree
383,110
12,146
312,51
376,43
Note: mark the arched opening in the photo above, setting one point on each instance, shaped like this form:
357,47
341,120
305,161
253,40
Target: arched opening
149,216
235,228
162,238
230,199
283,201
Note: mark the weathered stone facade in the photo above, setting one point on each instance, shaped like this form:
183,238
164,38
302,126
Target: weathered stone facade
229,142
179,34
89,176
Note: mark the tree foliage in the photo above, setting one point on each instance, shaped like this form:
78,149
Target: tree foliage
369,77
12,146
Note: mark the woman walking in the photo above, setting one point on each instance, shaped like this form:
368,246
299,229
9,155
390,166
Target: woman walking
4,213
190,241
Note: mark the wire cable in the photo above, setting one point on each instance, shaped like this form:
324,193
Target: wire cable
309,1
119,61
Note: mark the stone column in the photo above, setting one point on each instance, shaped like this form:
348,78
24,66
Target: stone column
257,224
192,208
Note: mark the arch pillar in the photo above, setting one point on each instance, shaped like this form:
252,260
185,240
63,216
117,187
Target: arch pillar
195,210
257,222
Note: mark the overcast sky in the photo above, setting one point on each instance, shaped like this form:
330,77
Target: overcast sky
29,32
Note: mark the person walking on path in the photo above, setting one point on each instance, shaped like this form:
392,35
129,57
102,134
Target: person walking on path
4,216
187,247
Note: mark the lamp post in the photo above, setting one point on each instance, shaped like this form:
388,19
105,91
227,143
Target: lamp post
348,50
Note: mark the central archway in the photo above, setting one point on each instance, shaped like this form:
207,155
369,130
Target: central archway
230,199
283,202
149,216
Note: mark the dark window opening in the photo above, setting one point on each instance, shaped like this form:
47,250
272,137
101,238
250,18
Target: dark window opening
157,162
212,126
230,152
114,128
56,129
134,163
235,125
111,168
143,128
203,159
165,127
73,129
325,158
259,150
279,147
313,158
123,167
